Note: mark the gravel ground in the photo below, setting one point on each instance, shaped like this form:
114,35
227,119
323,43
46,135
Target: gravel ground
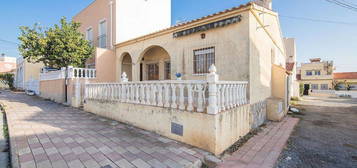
325,137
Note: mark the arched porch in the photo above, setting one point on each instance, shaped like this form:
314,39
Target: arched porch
154,64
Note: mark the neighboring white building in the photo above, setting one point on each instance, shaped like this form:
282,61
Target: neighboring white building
27,75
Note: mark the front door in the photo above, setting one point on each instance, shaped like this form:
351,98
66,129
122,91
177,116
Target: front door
306,89
153,71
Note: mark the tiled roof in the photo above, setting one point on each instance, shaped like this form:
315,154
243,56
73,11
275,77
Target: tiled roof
195,20
345,75
290,66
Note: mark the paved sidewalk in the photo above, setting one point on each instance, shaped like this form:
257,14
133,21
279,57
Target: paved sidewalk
262,150
46,134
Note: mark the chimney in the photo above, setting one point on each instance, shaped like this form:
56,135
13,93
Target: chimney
265,3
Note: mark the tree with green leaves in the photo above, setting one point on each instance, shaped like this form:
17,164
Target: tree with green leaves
8,79
59,46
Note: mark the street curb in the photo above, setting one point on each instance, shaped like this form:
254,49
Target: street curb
12,145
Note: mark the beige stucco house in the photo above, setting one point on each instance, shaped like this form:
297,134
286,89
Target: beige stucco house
238,41
147,71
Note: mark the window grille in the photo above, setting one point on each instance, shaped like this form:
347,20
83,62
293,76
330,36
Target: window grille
203,59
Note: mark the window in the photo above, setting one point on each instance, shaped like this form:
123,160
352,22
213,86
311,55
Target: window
318,72
167,70
324,86
315,87
102,38
153,71
89,36
308,73
203,59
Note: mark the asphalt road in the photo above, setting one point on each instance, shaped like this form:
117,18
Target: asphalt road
326,136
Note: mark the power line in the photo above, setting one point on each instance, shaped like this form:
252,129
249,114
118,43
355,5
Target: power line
353,4
9,42
319,20
344,4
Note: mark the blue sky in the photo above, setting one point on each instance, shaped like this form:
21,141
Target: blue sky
328,41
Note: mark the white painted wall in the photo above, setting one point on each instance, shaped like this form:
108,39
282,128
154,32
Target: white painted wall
135,18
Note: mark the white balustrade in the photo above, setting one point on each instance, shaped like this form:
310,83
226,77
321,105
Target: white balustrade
211,95
72,73
81,73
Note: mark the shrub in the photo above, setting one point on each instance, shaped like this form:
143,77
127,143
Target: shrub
8,79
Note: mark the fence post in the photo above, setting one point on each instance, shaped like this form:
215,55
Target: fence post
77,93
70,72
212,79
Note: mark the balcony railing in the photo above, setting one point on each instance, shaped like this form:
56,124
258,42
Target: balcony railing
72,73
209,95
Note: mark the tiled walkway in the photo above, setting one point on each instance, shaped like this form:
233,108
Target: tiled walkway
46,134
263,150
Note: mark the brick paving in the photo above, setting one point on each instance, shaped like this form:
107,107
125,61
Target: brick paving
262,150
46,134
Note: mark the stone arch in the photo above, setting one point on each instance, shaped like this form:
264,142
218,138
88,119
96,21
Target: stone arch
126,62
155,64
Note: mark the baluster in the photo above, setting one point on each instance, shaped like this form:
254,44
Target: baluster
133,94
128,94
123,93
234,95
173,103
137,94
142,91
219,97
107,94
189,98
228,97
147,94
167,95
200,98
231,103
119,92
159,95
104,93
240,94
245,93
223,97
226,94
153,95
182,97
100,90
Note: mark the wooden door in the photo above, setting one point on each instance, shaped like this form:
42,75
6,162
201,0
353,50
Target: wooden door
153,71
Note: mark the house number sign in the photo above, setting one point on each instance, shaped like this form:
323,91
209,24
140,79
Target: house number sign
213,25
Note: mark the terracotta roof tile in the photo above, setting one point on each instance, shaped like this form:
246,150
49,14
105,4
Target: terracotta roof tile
194,20
345,75
7,67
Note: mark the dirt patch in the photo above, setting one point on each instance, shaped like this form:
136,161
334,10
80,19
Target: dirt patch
243,140
325,136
